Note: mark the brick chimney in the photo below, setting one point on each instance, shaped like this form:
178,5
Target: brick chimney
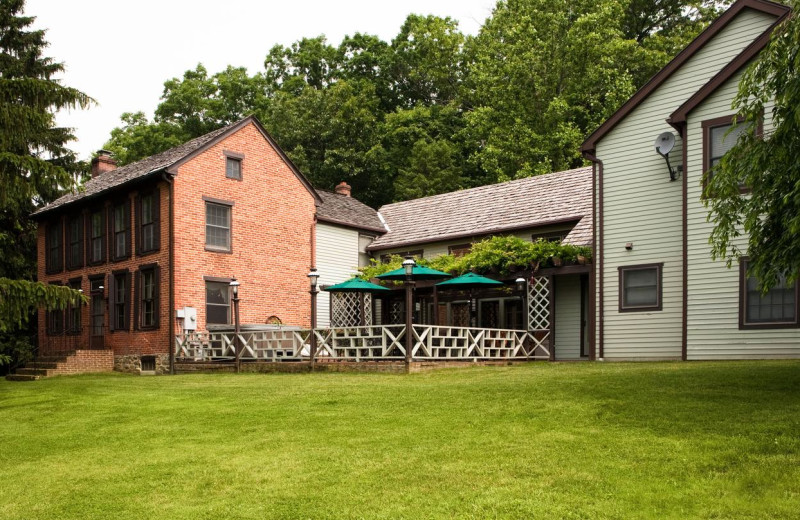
343,189
103,163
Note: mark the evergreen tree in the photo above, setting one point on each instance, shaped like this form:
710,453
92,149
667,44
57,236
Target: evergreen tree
35,164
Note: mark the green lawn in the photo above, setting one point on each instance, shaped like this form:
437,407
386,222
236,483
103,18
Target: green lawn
581,440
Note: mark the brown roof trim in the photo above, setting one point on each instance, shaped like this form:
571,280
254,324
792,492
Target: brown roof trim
661,76
173,168
482,233
349,224
751,51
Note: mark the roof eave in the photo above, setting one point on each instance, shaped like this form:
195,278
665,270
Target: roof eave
349,224
481,233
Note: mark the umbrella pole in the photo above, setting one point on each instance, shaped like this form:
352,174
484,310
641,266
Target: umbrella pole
472,310
409,319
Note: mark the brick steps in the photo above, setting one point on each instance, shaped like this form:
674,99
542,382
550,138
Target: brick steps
78,362
20,377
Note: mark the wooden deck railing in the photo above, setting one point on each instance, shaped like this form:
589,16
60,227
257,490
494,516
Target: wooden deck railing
368,343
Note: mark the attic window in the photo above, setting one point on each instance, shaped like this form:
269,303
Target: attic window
233,165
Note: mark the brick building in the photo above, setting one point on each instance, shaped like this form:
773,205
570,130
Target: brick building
150,239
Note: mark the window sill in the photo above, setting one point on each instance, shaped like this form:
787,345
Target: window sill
657,308
218,250
761,326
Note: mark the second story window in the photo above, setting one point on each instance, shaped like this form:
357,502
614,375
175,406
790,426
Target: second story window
147,227
120,230
75,242
218,226
97,237
54,237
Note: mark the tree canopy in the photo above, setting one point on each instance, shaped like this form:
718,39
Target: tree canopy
434,110
768,213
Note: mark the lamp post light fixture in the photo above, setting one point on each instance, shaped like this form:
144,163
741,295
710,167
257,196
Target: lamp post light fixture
235,288
313,276
408,266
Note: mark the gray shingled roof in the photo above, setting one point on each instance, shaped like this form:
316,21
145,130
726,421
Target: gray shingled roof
530,202
341,209
130,172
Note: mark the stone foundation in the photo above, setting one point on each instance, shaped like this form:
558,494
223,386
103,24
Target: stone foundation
132,364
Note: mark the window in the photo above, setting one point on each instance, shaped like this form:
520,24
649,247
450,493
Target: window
55,319
75,242
119,300
416,253
120,230
553,236
147,223
97,237
777,308
147,289
459,250
218,302
74,311
718,138
640,287
55,247
218,226
233,166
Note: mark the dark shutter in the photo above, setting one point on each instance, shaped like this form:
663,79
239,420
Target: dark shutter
138,224
137,298
109,210
82,250
103,234
156,291
156,221
112,294
87,237
128,291
127,216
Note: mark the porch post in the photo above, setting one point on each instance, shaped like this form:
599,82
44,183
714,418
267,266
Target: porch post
313,276
408,265
236,346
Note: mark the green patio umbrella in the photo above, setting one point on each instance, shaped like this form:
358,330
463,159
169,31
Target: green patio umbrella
418,273
469,281
356,285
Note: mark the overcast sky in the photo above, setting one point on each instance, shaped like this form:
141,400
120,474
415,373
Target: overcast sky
120,53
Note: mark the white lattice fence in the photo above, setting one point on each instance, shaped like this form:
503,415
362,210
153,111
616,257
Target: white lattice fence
347,309
539,319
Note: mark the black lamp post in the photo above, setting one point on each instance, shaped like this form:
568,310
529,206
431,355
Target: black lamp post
235,288
521,288
312,277
408,266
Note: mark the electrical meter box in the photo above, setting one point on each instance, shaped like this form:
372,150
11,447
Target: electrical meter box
189,318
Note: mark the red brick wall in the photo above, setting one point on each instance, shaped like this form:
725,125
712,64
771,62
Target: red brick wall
272,219
122,342
85,361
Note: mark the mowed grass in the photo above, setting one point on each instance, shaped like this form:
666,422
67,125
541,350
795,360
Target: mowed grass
581,440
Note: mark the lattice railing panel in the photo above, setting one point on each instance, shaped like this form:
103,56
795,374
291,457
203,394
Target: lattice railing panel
345,309
539,304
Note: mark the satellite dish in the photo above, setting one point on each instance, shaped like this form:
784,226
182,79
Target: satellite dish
665,143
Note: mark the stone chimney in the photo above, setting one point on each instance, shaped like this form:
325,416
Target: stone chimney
103,163
343,189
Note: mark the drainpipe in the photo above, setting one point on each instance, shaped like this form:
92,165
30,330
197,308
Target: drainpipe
597,255
171,336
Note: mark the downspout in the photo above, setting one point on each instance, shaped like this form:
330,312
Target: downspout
171,336
597,251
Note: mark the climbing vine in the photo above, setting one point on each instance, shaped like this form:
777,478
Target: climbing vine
497,255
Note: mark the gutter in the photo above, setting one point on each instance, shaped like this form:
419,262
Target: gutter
171,333
597,253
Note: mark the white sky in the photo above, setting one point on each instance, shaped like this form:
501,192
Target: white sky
121,52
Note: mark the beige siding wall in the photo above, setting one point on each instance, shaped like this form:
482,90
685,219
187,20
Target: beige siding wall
642,206
713,302
337,261
568,317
